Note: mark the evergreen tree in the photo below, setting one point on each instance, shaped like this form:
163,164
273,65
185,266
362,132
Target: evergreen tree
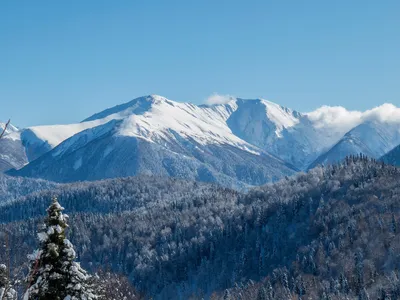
227,295
394,224
363,295
270,291
54,274
6,291
262,294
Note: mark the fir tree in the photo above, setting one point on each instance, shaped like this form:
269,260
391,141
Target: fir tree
262,294
363,295
227,295
270,291
54,274
6,291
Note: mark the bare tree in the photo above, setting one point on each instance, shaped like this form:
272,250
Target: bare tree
5,128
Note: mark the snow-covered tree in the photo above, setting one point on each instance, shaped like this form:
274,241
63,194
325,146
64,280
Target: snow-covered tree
54,274
262,294
6,291
227,295
111,286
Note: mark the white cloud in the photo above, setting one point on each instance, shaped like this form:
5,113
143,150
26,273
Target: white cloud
218,99
334,117
339,117
385,113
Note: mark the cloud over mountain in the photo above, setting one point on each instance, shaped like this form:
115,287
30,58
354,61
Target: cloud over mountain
216,98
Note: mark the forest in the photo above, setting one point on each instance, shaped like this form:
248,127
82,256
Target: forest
330,233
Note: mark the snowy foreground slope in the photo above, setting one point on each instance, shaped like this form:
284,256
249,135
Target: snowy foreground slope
239,143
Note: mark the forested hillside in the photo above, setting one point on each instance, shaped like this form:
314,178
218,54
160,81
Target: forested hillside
16,187
111,196
331,233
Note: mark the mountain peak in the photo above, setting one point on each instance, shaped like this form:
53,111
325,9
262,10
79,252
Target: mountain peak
156,97
10,128
281,117
136,106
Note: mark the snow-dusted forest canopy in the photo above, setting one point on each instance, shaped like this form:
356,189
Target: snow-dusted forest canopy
331,233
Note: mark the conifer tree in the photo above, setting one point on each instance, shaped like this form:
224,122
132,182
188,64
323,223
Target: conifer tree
227,295
6,291
54,274
363,295
262,294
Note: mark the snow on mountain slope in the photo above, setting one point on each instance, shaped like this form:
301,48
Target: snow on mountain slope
392,157
251,125
292,136
165,138
10,128
187,132
152,116
372,138
287,134
19,147
255,116
137,106
53,135
392,114
10,153
112,155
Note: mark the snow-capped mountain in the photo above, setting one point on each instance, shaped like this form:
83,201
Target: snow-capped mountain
18,147
10,128
154,135
237,143
8,154
292,136
371,138
378,133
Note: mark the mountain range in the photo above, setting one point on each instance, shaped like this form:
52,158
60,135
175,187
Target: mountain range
237,144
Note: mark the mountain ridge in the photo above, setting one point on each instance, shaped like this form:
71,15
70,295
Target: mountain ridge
273,138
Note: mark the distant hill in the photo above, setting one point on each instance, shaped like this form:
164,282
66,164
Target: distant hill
12,188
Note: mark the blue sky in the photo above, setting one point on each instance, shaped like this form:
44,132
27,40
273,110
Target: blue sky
62,61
